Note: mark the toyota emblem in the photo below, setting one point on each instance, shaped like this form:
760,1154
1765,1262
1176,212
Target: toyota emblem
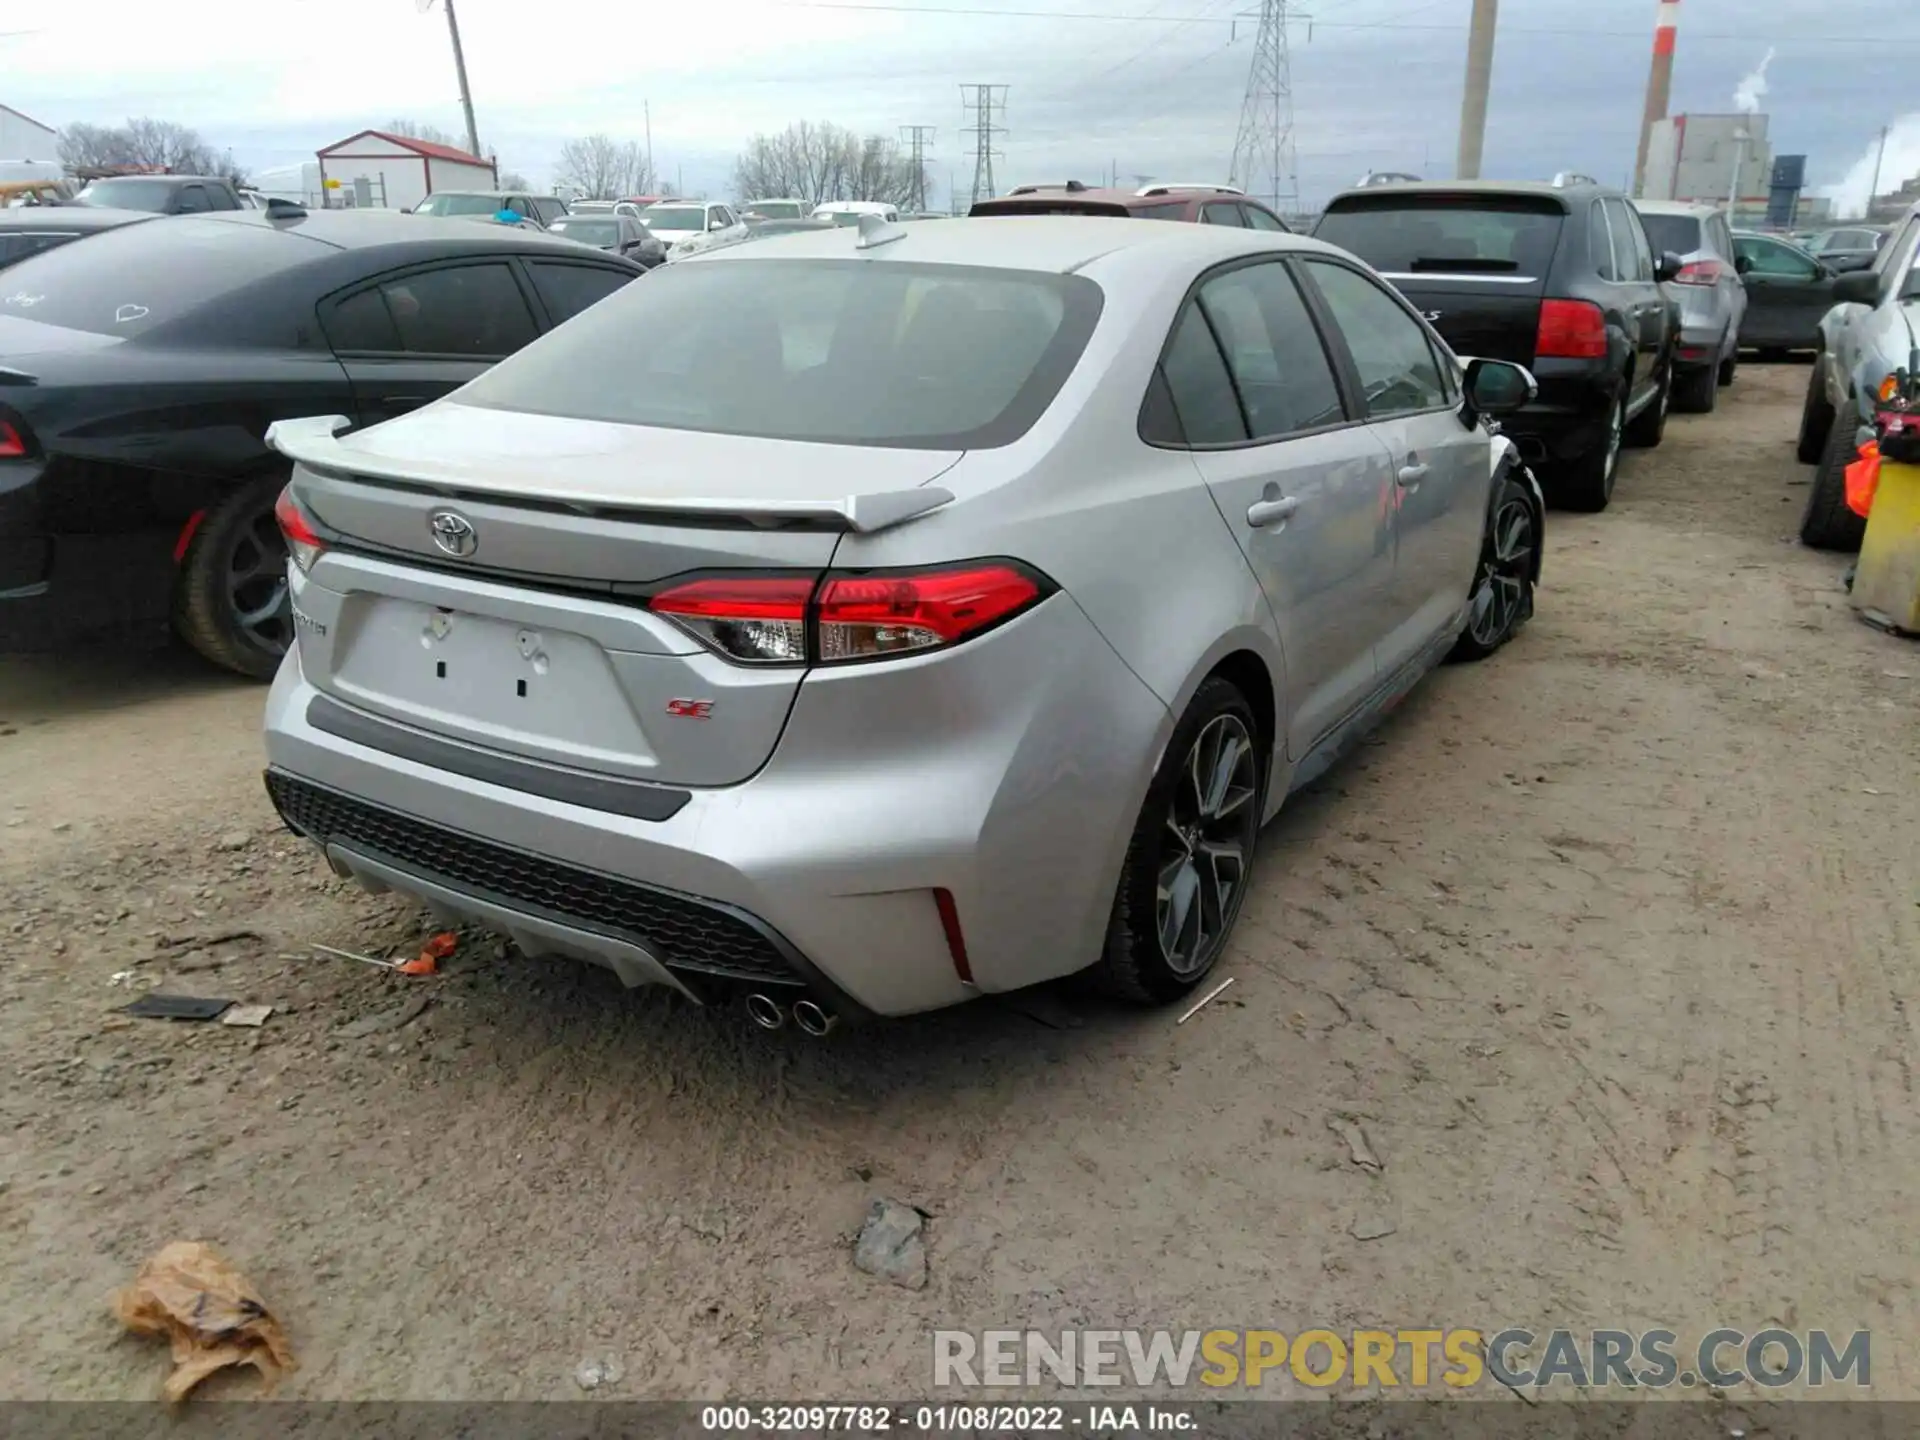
453,533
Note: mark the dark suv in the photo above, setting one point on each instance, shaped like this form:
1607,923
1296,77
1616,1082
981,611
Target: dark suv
1206,204
1558,277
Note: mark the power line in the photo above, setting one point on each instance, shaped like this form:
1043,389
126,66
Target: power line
981,101
1263,145
920,138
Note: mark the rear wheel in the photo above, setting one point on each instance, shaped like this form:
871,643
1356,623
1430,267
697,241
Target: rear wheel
1188,863
1502,597
1730,366
1696,391
1649,427
1816,420
1586,481
1827,523
231,602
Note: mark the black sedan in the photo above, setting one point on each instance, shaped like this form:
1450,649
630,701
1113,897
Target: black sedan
139,373
1788,293
28,229
622,234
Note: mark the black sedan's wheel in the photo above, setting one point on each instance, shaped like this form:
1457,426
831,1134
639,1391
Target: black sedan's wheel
231,602
1186,869
1502,597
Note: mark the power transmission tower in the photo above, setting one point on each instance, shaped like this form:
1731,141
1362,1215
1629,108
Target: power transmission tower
920,138
1263,159
981,101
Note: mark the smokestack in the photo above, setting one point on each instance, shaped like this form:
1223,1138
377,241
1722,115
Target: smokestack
1659,84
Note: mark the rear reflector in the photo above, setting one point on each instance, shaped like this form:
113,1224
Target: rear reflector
12,447
303,542
789,619
1700,272
1571,330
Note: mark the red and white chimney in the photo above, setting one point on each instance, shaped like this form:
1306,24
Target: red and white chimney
1666,23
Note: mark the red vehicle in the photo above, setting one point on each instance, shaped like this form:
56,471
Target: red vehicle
1205,204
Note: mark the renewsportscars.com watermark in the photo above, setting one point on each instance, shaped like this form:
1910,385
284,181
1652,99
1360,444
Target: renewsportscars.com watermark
1395,1359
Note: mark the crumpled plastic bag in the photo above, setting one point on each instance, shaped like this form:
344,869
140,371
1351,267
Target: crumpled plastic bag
192,1296
1863,480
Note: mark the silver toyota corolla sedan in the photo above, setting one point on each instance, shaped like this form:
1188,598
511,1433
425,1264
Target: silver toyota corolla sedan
863,620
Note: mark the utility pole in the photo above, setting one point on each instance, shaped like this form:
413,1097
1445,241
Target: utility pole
1666,23
653,180
981,101
1263,159
920,138
460,68
1473,103
1879,157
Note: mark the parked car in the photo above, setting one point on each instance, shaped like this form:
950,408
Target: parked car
849,212
1867,335
996,580
142,368
622,234
1788,293
163,194
1206,204
590,207
1713,302
1852,247
483,203
31,229
1559,278
687,227
755,211
765,230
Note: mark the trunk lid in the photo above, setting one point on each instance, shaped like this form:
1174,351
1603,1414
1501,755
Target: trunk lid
520,626
1475,264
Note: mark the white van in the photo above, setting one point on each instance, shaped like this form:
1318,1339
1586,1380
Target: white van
848,212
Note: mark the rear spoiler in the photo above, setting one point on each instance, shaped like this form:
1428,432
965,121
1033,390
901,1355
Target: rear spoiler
314,442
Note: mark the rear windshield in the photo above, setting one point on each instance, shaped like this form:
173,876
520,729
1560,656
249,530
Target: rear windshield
588,229
1022,206
778,209
658,219
846,352
131,279
451,204
128,195
1678,233
1463,234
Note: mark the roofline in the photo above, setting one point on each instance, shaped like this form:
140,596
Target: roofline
425,149
22,115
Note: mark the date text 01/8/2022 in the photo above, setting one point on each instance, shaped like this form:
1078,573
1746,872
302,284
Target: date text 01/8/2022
945,1419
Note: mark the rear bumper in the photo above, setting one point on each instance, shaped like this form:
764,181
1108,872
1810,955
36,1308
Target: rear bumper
1007,773
1569,417
56,588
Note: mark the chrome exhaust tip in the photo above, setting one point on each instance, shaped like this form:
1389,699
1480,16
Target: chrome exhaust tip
812,1019
765,1012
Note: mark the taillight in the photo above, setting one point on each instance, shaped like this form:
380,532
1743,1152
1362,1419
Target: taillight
796,620
303,544
1700,272
1571,330
759,619
12,447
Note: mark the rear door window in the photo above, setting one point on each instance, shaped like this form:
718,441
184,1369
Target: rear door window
1220,212
1399,372
1279,365
566,289
1635,256
1435,234
1199,384
460,310
1600,237
1678,233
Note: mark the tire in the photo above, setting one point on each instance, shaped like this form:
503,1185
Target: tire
1730,366
1827,523
230,599
1647,429
1696,391
1172,837
1816,420
1586,482
1501,601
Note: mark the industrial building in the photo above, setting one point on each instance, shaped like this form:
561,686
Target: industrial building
396,172
1705,159
24,138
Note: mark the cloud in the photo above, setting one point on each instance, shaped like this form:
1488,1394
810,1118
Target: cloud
1376,83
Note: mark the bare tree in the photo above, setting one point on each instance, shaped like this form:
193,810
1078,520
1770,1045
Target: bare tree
416,130
514,180
87,147
820,162
603,168
145,142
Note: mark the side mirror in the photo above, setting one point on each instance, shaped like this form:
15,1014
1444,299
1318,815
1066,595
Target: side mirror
1498,387
1857,287
1743,264
1666,267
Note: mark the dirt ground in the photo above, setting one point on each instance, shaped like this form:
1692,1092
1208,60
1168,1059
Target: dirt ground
1608,944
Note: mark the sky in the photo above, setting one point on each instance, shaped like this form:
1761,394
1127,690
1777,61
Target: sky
1145,89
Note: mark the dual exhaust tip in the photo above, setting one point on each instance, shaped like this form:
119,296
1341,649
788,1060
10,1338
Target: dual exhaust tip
767,1013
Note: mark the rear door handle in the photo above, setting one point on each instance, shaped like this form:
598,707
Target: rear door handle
1263,513
1411,475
